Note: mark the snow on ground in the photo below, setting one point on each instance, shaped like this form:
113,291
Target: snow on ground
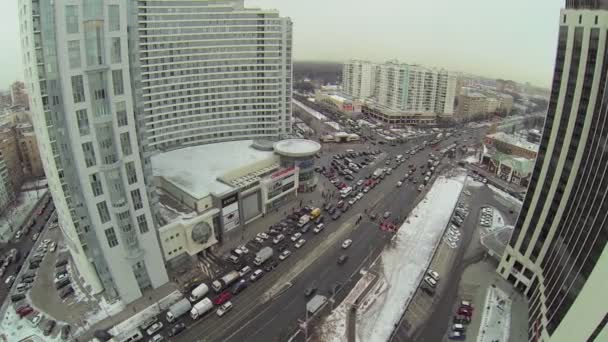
473,183
136,320
12,328
334,125
496,318
471,159
33,184
502,196
333,327
310,111
16,215
406,258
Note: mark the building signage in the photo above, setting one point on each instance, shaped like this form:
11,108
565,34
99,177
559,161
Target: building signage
230,212
283,172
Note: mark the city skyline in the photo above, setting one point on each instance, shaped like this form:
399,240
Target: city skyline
508,56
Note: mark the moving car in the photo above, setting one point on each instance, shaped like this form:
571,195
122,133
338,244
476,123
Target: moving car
347,243
222,298
310,291
177,329
457,335
319,228
387,214
300,243
342,259
284,255
296,236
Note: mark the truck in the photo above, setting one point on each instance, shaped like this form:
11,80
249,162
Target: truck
263,255
201,308
316,212
225,281
199,292
178,309
378,173
303,220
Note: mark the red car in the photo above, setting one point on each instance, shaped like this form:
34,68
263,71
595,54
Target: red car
24,311
222,298
340,204
465,312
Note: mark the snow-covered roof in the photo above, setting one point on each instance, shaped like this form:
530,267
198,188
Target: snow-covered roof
195,169
514,140
297,147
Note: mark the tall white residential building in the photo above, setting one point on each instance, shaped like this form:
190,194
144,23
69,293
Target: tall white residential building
558,252
401,87
414,89
76,63
212,71
358,78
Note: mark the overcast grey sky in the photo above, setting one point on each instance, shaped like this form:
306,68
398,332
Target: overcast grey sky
512,39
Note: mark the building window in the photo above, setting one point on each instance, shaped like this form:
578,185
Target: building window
131,173
121,114
89,154
78,89
125,143
104,213
74,54
142,223
111,237
96,184
93,39
136,198
83,121
115,51
117,82
71,19
114,17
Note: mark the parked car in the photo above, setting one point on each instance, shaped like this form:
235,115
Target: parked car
224,308
284,255
310,291
300,243
432,282
66,330
66,292
295,237
154,328
48,328
244,271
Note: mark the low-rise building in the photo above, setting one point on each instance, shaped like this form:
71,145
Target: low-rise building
511,144
208,193
517,170
398,118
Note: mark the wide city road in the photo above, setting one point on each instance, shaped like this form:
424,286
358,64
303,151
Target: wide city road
270,308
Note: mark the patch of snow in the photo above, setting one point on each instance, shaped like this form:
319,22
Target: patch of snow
406,258
15,215
473,183
310,111
13,328
136,320
334,125
333,327
503,197
496,317
471,159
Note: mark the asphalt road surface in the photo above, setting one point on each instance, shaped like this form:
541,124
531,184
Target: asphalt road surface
257,317
24,245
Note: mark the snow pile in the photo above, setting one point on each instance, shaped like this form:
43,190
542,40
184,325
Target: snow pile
406,258
15,215
310,111
496,318
473,183
333,327
471,159
504,197
136,320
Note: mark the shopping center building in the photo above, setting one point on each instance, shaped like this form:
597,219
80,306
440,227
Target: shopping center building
209,193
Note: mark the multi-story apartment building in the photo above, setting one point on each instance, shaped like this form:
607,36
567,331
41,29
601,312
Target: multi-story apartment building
19,96
28,151
76,61
557,254
212,71
358,78
400,93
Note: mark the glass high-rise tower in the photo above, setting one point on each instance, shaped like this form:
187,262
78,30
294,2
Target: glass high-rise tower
557,254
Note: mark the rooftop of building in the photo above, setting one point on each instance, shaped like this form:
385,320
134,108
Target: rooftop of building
297,147
514,140
196,170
